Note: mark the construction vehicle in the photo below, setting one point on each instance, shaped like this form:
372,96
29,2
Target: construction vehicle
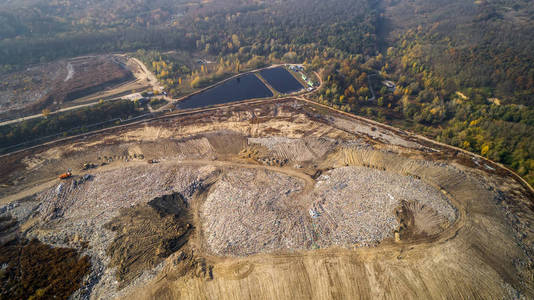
66,175
87,166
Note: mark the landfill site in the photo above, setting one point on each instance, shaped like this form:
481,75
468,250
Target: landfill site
277,199
66,83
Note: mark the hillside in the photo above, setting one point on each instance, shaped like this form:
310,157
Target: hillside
300,201
469,71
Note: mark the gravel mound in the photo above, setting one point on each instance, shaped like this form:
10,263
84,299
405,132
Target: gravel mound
356,205
250,211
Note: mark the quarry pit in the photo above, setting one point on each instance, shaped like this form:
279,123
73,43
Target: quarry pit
277,199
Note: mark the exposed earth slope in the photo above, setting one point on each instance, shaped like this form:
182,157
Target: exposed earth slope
278,199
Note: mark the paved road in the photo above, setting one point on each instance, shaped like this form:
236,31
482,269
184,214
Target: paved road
231,104
145,75
51,113
151,79
250,101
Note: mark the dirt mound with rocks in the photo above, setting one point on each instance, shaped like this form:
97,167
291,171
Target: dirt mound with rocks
248,211
356,205
147,234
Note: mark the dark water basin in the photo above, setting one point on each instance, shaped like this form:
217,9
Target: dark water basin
281,80
237,89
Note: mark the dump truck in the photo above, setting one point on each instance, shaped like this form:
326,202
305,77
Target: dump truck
66,175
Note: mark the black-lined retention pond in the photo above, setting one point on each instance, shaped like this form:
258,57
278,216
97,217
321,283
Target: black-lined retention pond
241,88
281,80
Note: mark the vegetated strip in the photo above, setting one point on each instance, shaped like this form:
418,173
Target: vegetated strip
12,137
424,139
133,121
34,131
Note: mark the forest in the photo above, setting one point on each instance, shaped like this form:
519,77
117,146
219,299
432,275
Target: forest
463,72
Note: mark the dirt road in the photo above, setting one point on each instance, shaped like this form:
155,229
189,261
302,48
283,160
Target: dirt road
474,257
144,79
47,183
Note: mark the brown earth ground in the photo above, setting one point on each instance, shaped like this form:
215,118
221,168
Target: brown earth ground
69,83
275,200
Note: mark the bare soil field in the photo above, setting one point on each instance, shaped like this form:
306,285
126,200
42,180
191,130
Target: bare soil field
53,84
273,200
